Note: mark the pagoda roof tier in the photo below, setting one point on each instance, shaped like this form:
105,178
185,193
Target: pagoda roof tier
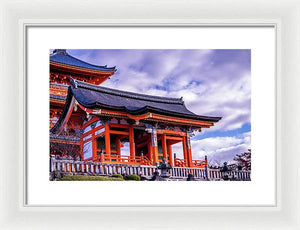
61,57
57,100
64,139
116,103
57,97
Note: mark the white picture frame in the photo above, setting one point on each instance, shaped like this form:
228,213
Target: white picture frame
17,15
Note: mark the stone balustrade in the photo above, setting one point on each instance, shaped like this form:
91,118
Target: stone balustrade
69,167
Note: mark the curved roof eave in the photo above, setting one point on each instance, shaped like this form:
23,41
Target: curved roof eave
60,56
94,104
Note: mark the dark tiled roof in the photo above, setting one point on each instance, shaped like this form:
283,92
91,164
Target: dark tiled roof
97,97
58,97
64,138
61,56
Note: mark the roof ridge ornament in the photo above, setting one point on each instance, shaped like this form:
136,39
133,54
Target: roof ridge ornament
60,51
73,82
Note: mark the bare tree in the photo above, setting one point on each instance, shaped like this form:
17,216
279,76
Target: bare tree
243,160
66,143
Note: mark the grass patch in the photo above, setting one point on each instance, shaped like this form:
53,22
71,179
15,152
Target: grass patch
133,177
117,176
90,178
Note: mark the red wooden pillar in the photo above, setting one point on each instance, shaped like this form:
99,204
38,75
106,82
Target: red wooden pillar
154,146
185,154
150,154
81,148
107,139
94,146
118,146
170,154
164,146
189,151
131,142
190,160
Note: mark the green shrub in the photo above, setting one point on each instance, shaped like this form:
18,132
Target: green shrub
90,178
133,177
117,176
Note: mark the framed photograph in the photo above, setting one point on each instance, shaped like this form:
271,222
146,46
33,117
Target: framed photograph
150,111
180,121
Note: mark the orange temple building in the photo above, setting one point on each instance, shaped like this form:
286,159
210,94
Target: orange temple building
63,67
108,118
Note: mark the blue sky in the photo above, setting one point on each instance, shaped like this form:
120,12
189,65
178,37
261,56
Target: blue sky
211,82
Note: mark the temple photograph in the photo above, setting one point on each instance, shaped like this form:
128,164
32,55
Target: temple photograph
149,115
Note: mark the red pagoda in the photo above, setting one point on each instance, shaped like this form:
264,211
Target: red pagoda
63,67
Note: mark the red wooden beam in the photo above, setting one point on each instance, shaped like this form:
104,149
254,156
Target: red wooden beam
181,120
92,131
172,132
119,132
119,126
90,122
174,138
174,142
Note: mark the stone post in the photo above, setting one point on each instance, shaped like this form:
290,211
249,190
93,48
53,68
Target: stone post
206,168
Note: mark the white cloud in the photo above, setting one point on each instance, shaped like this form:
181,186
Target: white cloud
207,86
221,148
125,150
217,149
211,82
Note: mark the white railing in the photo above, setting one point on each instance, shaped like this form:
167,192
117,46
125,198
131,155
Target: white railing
95,168
67,166
216,174
183,172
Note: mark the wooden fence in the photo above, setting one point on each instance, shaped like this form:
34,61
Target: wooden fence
71,167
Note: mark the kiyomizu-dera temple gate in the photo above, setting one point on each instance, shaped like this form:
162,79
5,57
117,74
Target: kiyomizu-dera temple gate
151,125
